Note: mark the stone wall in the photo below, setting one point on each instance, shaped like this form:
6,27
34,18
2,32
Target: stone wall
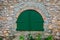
10,8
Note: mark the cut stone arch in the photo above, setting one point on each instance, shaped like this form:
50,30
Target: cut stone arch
29,5
30,20
32,8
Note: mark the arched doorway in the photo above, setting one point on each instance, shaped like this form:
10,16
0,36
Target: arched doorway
30,20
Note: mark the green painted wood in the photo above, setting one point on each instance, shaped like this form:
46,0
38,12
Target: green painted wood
30,20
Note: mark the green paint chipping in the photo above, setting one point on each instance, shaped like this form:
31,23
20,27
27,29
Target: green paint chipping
30,20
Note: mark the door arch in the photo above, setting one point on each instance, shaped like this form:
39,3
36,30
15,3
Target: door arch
30,20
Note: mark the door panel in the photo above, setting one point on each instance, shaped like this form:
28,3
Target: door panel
30,20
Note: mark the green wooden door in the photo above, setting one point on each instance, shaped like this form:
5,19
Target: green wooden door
30,20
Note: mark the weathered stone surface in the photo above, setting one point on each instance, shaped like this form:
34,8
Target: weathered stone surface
12,8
